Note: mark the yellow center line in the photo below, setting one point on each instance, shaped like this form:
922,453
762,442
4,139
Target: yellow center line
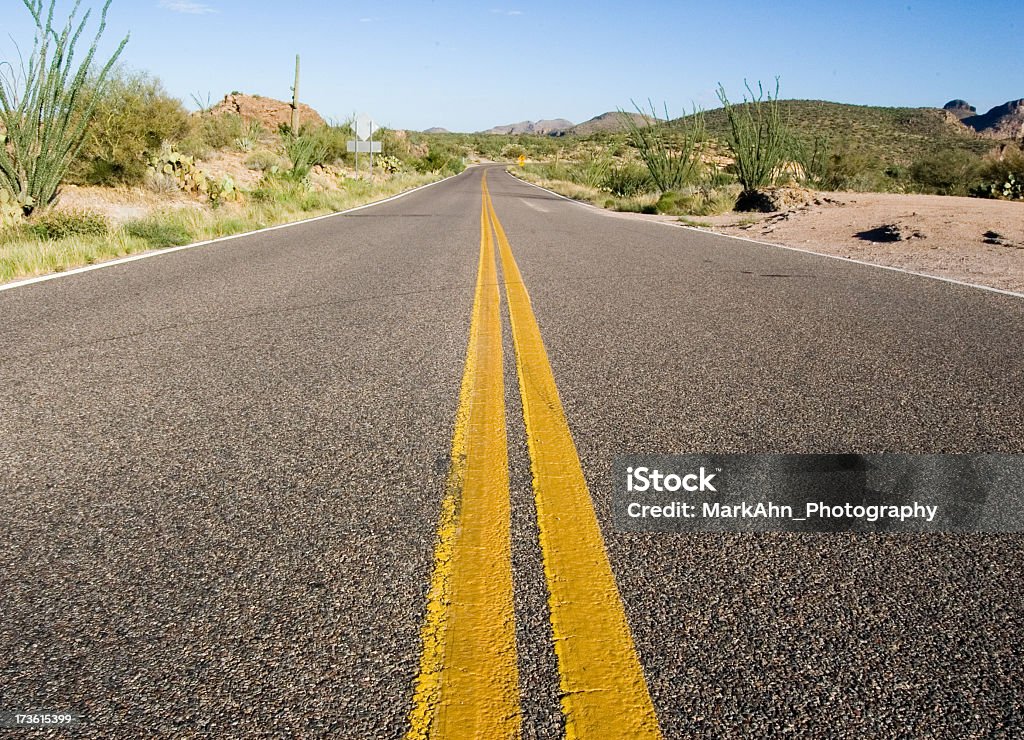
468,684
604,694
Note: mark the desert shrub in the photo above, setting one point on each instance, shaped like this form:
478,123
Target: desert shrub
513,151
252,134
279,190
134,116
55,225
704,201
846,167
396,145
305,151
333,140
627,179
550,170
758,136
45,107
264,161
212,131
949,172
1002,175
812,157
592,172
441,158
159,232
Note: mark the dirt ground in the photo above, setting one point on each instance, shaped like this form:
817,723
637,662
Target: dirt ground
123,204
969,239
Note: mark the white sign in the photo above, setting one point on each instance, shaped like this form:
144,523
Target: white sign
365,127
364,147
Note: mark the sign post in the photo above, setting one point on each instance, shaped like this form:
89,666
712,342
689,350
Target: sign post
365,129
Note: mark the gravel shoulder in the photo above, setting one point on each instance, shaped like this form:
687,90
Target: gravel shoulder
968,239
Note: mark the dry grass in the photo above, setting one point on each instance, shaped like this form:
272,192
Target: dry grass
23,254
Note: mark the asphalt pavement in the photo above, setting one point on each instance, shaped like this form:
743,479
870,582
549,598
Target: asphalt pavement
223,472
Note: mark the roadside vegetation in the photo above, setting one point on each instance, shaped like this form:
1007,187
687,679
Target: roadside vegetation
97,161
762,152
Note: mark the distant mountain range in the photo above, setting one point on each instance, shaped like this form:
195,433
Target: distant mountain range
1005,121
546,127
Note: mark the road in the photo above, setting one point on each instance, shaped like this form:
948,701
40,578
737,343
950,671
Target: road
282,484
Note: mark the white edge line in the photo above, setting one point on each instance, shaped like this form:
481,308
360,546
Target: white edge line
845,260
171,250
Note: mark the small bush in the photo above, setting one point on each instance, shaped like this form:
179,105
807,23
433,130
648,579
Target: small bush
1002,176
591,172
333,140
252,134
948,172
704,201
215,131
846,168
442,159
395,144
626,180
513,151
264,161
159,233
55,225
305,152
134,116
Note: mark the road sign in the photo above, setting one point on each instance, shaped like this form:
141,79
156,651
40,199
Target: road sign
365,127
522,160
364,147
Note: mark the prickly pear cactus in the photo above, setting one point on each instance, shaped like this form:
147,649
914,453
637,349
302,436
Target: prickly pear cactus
389,163
221,191
169,165
11,211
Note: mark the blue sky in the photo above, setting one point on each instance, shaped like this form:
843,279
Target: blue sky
470,65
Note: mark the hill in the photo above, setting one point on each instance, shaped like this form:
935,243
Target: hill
892,135
610,121
436,130
268,111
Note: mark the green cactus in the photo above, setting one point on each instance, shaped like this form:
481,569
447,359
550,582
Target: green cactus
181,170
389,163
222,191
10,210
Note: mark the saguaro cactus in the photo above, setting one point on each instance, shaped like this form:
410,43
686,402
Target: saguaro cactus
295,99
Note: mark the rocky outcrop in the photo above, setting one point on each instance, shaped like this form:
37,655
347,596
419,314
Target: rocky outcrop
960,108
1005,121
269,112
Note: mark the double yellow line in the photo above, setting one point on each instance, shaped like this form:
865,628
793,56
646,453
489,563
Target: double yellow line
468,685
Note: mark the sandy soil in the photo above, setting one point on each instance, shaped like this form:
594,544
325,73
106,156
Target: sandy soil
945,236
121,204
